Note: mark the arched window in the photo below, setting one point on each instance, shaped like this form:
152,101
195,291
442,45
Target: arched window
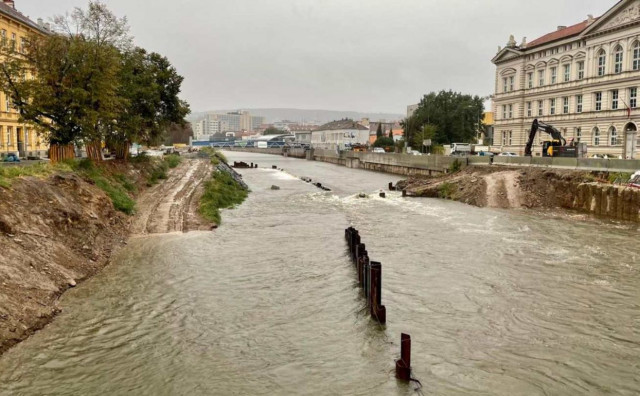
602,61
636,56
617,60
596,136
613,136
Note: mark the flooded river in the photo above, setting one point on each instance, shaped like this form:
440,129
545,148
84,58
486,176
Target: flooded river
497,302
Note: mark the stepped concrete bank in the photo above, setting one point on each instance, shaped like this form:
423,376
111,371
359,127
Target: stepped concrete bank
432,165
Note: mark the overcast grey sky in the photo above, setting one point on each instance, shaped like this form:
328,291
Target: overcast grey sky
361,55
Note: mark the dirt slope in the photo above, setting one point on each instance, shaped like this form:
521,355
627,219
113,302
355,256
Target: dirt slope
58,231
501,187
172,205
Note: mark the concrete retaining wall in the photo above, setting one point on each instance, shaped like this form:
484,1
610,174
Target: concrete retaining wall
616,202
404,164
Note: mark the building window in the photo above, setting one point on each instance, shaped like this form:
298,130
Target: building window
614,99
540,78
636,56
598,101
565,105
511,83
1,134
529,109
580,70
504,112
567,73
510,111
26,137
596,136
530,80
602,61
617,60
633,97
613,136
13,42
578,134
504,85
510,138
552,106
540,108
554,75
578,103
9,135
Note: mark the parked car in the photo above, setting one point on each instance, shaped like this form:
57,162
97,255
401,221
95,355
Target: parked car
486,154
11,157
507,154
415,152
378,150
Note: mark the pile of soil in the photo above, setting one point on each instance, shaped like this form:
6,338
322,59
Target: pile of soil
503,187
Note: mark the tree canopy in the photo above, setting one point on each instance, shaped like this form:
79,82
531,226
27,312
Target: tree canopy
452,117
273,131
84,84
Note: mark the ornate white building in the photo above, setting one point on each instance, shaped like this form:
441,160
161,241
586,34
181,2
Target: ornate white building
582,79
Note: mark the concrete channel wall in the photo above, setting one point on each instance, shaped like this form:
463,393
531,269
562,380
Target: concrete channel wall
409,165
615,202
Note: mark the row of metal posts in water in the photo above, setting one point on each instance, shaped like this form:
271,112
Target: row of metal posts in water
370,279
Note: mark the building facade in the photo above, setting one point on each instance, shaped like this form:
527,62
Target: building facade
339,134
582,79
15,137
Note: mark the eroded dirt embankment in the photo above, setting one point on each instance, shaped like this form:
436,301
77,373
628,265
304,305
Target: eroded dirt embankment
501,187
58,231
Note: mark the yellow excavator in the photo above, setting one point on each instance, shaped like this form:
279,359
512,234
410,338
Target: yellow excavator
556,147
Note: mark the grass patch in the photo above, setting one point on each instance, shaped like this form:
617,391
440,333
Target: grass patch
446,190
215,155
158,172
221,192
619,177
173,160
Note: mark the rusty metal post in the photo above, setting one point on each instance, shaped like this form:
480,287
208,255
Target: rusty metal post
367,280
378,311
383,195
274,166
404,193
391,187
403,366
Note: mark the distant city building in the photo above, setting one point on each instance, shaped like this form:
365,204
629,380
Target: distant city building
219,124
339,134
582,79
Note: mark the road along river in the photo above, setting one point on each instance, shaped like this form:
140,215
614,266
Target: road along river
497,302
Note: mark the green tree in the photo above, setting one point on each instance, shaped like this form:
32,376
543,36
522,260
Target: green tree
426,132
65,84
456,116
383,141
391,133
150,86
379,131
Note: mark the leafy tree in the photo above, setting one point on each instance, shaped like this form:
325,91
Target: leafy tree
273,131
426,132
150,86
391,133
383,141
379,131
456,117
65,84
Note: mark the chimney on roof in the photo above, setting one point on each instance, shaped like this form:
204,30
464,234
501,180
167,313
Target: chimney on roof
590,19
561,28
10,3
41,22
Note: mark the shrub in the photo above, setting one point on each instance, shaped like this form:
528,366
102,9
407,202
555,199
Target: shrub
446,190
455,166
173,160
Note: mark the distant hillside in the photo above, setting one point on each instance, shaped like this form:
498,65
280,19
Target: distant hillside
299,115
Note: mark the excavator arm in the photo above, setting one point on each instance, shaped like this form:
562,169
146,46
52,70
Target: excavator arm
535,126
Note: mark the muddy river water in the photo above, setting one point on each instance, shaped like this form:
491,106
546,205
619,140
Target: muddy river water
497,302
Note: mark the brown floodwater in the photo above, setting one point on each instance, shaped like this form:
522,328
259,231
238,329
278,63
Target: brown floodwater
497,302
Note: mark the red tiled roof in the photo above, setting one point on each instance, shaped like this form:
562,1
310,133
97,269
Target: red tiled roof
560,34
